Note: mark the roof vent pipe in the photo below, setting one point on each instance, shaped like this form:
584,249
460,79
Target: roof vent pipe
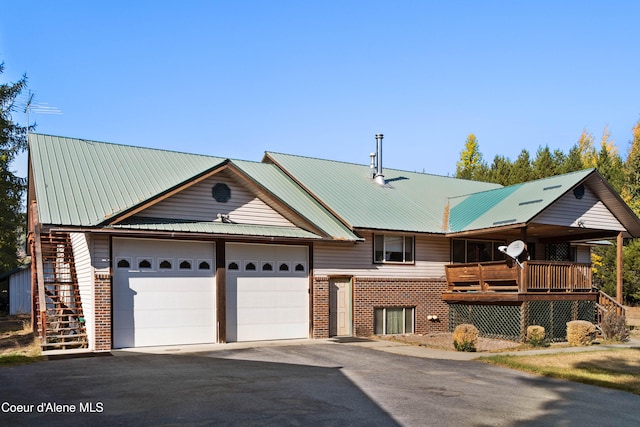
372,165
379,178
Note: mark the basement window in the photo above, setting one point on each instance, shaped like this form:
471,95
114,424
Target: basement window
394,320
388,248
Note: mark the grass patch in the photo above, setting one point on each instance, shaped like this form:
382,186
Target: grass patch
18,345
615,368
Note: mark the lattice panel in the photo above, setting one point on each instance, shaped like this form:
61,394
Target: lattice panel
510,322
493,321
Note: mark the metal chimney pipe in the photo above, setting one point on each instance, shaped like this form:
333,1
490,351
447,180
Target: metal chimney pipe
379,176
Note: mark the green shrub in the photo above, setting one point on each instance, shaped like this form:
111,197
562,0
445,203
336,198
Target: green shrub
536,336
614,327
580,332
465,337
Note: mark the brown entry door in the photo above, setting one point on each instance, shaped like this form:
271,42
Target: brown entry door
340,307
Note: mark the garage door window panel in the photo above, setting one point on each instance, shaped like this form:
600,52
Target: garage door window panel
145,263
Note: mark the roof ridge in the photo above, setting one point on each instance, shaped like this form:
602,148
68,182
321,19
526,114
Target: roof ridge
367,166
585,171
128,146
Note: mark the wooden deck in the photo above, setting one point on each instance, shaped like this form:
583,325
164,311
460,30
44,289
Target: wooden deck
501,282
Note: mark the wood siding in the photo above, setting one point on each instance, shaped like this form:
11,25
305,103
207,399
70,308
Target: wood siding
431,254
588,211
197,203
80,243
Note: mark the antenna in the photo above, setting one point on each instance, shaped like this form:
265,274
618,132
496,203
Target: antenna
38,108
514,250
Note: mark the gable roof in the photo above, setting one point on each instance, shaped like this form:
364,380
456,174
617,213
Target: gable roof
94,184
523,203
515,204
84,183
410,201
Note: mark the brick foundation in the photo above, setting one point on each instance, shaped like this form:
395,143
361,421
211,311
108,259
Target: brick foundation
370,293
102,301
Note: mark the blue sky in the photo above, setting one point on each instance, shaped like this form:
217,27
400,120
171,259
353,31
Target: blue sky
321,78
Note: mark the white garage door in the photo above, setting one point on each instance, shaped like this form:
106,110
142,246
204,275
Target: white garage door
267,292
163,292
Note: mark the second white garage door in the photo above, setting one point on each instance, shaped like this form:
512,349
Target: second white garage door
267,292
163,292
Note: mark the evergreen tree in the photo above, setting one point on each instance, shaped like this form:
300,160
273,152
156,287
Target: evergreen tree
573,161
12,142
544,165
521,171
500,171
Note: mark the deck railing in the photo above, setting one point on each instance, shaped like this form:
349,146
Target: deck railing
534,276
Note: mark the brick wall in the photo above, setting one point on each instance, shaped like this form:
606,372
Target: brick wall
370,293
321,307
102,301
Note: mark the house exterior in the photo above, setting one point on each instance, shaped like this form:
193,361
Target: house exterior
135,247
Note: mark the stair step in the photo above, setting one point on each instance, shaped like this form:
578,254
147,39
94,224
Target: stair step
67,336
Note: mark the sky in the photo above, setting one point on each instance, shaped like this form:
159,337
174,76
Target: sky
321,78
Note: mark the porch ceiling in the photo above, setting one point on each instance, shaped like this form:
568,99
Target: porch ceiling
541,232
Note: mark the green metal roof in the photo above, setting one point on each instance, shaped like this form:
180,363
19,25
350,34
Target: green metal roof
515,204
289,193
212,227
410,201
83,183
87,183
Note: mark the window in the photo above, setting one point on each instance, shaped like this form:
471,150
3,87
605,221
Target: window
233,265
165,264
204,265
267,266
463,250
284,266
124,263
185,264
145,263
300,267
392,248
394,320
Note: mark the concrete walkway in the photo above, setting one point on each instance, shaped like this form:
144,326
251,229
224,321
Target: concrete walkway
380,345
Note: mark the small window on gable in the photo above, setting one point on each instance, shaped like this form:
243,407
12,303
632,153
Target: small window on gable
233,266
284,266
267,266
300,267
250,266
124,263
145,263
204,265
165,264
185,264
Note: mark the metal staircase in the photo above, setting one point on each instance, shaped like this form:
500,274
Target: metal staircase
59,317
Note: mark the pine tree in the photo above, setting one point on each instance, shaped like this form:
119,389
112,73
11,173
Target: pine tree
12,142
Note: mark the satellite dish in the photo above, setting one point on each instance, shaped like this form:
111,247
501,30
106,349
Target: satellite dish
514,250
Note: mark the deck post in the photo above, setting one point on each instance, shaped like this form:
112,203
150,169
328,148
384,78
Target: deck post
619,247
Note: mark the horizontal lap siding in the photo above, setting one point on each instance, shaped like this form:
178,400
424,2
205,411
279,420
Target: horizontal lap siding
588,210
196,203
84,273
431,254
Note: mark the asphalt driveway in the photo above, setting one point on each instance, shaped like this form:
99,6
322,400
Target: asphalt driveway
303,384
